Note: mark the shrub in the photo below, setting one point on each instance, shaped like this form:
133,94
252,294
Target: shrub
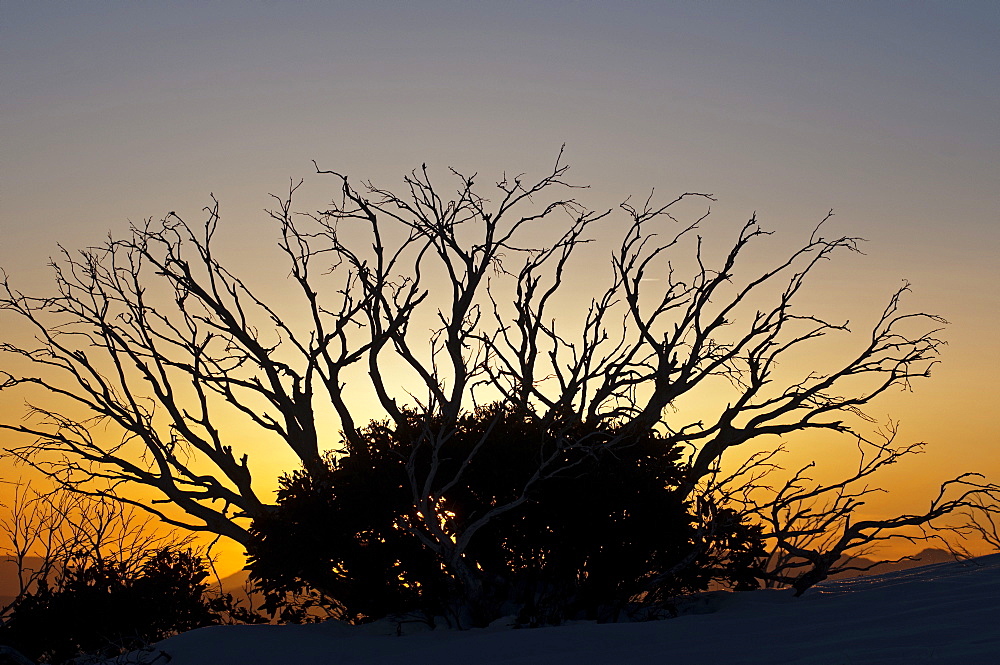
608,530
98,606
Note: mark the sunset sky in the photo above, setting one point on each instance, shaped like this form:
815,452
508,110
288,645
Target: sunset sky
886,112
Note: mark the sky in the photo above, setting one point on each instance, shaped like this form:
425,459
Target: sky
886,112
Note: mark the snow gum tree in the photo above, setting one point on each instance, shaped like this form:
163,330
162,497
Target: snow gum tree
448,303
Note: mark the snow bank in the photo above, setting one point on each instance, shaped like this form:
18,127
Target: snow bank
943,613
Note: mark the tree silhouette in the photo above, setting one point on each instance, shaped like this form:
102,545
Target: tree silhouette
586,543
100,607
150,343
44,532
97,577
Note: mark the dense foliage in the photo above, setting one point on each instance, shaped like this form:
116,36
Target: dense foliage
104,607
603,533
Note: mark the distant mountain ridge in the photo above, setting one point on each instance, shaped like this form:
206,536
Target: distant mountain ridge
925,557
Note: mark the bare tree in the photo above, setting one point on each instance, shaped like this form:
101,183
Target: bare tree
44,533
35,542
150,339
812,528
983,519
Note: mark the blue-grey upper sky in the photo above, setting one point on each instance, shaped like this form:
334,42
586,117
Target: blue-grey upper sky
706,89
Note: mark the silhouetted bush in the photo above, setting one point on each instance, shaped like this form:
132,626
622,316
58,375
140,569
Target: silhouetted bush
608,531
104,608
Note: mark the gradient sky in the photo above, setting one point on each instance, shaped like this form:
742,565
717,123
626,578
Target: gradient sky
888,112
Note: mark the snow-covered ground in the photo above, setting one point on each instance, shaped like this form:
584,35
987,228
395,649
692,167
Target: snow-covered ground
942,613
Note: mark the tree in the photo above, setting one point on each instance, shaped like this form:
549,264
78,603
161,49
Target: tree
101,608
586,544
44,533
87,568
150,335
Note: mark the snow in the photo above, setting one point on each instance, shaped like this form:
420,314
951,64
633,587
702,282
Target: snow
942,613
